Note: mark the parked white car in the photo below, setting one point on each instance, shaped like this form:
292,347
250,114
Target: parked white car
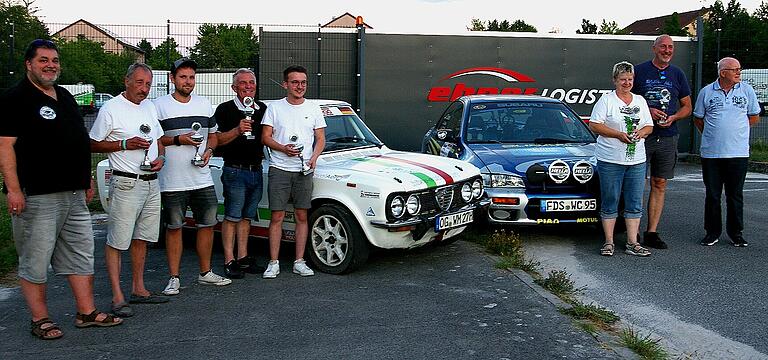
367,195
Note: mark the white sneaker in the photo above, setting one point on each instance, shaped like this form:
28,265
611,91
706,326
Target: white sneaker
173,286
212,279
273,269
300,267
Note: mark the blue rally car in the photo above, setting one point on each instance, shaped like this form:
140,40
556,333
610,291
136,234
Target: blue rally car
536,156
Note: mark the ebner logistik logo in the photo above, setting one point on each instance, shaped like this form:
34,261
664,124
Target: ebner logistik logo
520,84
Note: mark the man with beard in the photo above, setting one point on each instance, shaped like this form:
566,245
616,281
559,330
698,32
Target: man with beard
127,129
51,222
241,176
186,180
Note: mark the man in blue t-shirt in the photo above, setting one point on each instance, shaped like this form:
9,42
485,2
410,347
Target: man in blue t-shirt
668,94
725,110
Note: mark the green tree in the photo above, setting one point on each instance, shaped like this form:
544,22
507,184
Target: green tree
587,27
225,46
26,27
611,28
741,36
504,26
672,26
84,61
160,57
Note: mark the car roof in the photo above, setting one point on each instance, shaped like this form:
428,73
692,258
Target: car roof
495,98
319,102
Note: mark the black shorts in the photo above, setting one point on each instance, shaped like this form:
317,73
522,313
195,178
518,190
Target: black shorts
661,155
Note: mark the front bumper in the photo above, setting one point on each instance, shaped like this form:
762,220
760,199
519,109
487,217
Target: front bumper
526,210
420,225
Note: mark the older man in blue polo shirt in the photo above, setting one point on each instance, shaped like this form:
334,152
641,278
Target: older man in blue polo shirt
724,112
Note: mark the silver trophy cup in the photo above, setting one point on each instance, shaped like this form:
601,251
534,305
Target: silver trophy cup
664,98
198,139
145,129
248,112
305,169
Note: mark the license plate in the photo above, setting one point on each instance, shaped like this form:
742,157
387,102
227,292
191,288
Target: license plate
454,220
568,205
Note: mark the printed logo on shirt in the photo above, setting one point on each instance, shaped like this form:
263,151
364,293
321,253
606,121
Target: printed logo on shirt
47,113
715,103
629,110
740,102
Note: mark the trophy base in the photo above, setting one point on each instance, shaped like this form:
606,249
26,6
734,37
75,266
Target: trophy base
145,167
307,171
249,137
197,162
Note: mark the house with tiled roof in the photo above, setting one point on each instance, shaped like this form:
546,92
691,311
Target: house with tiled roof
655,26
110,41
345,20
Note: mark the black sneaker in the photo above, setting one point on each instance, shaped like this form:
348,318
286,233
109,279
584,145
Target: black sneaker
709,240
248,264
652,239
232,270
738,241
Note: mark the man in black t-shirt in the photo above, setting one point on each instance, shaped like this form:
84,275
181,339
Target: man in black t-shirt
46,165
241,176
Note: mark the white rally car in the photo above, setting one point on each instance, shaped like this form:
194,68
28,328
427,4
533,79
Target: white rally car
367,195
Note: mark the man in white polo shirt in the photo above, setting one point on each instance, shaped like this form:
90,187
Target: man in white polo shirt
724,112
127,129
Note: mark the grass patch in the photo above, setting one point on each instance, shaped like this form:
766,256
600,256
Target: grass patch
8,258
597,315
559,283
588,327
644,346
508,246
758,151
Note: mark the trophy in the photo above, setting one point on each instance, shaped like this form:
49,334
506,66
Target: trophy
664,98
198,139
145,129
305,169
248,112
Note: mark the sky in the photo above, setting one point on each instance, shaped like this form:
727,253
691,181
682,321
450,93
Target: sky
386,16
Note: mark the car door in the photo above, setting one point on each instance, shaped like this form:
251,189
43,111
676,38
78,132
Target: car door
443,139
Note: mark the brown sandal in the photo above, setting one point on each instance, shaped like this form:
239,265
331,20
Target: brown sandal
607,250
88,320
44,332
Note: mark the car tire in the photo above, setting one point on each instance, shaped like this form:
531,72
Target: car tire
337,245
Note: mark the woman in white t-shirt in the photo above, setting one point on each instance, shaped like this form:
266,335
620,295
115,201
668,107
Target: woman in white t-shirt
622,121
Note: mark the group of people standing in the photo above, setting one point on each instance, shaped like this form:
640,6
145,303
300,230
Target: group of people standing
638,134
158,154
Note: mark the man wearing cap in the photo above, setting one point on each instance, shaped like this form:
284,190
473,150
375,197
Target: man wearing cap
45,162
127,129
185,180
241,176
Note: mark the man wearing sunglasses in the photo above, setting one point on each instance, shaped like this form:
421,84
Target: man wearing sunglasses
665,88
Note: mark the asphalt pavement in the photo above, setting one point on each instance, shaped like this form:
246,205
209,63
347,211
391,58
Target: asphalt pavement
704,302
437,302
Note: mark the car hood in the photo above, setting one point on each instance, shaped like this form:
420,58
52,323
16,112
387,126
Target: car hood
517,158
398,170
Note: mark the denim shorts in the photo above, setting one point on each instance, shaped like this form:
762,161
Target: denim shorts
242,193
54,229
615,179
289,187
202,201
134,211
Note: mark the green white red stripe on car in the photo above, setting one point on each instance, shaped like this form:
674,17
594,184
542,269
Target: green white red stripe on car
429,175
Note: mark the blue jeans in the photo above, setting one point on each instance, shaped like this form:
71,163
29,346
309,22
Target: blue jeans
614,179
242,193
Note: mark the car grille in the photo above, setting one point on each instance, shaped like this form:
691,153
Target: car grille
444,197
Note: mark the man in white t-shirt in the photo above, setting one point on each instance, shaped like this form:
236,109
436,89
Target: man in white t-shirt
127,129
185,181
294,129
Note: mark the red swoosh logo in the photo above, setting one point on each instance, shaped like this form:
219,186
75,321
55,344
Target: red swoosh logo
508,75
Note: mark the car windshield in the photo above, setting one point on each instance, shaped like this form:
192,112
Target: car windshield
525,122
347,131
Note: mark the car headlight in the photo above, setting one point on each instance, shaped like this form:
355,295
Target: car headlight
505,180
477,189
413,205
466,192
396,206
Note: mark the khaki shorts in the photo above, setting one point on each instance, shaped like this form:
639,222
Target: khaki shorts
286,187
54,229
134,211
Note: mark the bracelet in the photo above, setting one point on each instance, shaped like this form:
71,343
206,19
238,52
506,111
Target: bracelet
176,140
161,156
209,148
124,144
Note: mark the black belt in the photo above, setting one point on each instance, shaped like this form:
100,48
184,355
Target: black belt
145,177
244,167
